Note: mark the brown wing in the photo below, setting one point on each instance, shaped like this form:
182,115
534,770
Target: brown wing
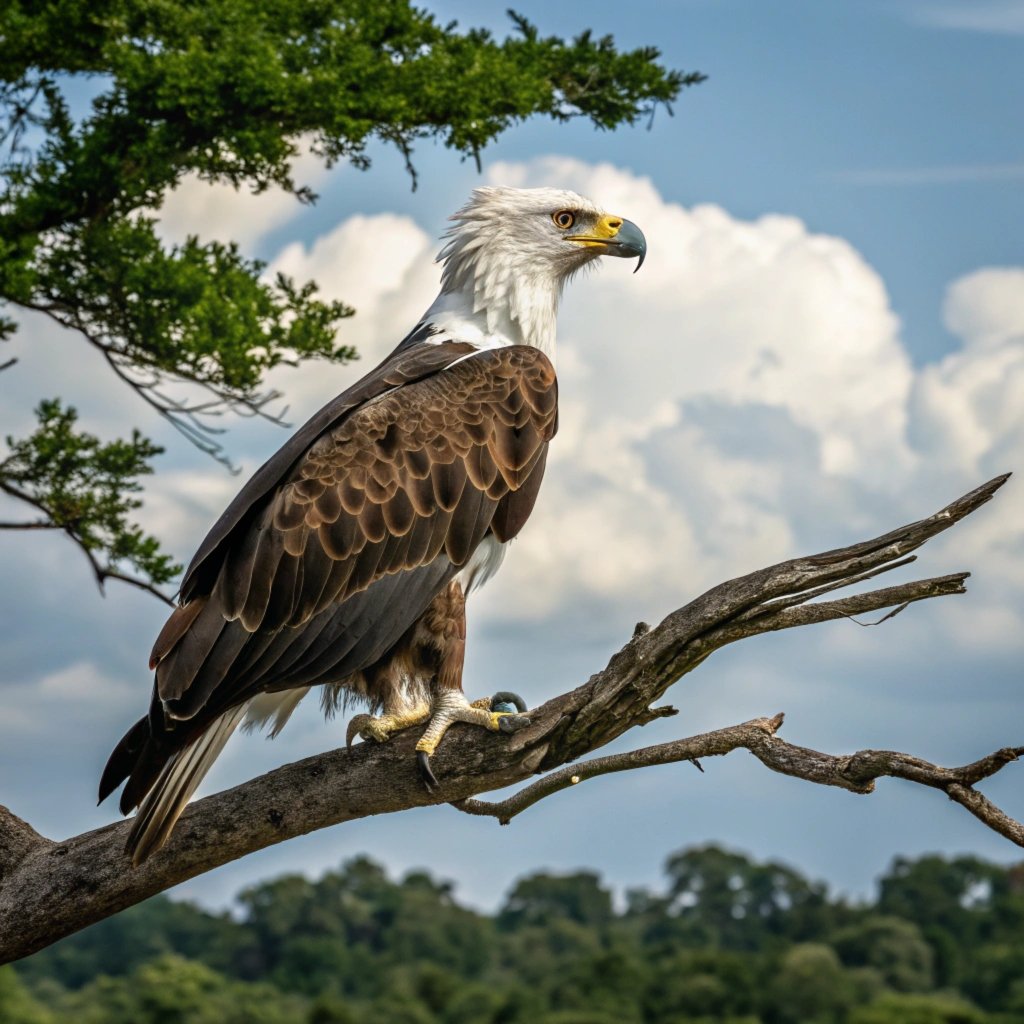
409,362
414,478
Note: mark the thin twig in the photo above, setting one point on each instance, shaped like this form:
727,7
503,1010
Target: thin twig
186,417
710,744
104,573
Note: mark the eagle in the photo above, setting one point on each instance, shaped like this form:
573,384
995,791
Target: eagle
345,562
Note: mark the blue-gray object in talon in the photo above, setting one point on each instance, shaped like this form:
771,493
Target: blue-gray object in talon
505,700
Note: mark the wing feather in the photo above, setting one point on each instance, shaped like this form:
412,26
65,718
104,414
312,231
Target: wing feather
265,565
449,480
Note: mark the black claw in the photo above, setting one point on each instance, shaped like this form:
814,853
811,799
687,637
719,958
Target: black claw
512,723
507,697
426,774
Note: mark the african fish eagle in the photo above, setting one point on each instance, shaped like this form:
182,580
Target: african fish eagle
345,561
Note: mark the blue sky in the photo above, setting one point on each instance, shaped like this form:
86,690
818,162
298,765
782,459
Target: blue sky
827,340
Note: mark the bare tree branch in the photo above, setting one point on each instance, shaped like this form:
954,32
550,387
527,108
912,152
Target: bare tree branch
854,772
51,889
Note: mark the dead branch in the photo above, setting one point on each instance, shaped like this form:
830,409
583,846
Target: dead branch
854,772
51,889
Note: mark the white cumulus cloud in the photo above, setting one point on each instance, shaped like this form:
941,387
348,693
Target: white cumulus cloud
218,210
383,266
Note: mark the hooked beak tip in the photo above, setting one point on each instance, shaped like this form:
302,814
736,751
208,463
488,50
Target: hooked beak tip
631,242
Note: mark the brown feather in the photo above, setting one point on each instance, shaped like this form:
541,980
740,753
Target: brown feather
295,540
420,493
419,542
175,673
289,513
470,521
326,508
449,481
174,629
398,514
515,507
284,593
417,463
307,489
365,570
371,522
266,560
317,566
342,538
352,498
481,468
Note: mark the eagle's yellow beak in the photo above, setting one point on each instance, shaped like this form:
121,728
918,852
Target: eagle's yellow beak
615,236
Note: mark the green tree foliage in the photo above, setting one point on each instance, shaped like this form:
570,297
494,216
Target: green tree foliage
541,899
811,987
85,487
227,90
932,1009
722,899
961,906
17,1006
171,990
357,946
892,946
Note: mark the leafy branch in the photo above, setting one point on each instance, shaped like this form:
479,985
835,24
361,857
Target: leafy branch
226,90
85,488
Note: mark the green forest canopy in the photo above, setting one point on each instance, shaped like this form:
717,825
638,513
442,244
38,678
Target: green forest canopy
728,941
226,90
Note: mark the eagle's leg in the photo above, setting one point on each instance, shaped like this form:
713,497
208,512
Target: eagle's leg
442,648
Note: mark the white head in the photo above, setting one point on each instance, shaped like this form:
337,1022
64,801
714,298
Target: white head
511,251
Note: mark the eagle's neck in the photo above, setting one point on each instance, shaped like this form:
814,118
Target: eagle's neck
490,303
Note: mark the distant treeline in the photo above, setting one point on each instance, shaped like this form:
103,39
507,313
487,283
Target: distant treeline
729,941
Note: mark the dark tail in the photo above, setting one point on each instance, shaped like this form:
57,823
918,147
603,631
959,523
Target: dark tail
161,777
130,758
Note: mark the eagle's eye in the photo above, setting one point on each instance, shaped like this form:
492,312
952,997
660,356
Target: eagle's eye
564,219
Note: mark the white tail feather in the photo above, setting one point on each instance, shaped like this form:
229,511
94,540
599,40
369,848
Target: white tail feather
272,708
175,785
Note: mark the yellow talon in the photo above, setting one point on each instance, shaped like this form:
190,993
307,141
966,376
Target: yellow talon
367,727
427,745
